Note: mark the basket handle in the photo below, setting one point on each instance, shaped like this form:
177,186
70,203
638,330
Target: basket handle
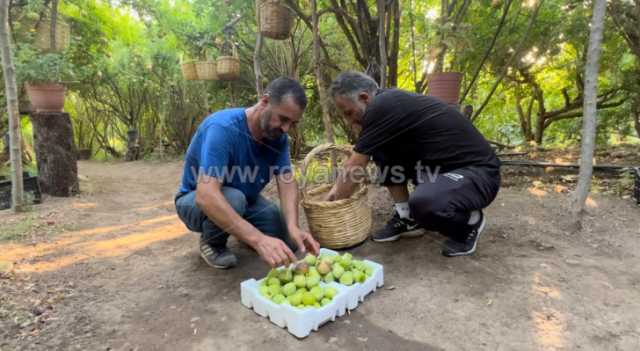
345,149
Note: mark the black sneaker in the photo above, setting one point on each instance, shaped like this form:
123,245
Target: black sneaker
452,248
397,227
217,257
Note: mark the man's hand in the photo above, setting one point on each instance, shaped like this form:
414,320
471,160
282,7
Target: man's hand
305,241
331,195
274,251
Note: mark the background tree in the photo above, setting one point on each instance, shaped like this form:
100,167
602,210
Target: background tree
590,108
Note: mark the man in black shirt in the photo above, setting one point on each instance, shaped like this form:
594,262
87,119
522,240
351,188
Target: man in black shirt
419,138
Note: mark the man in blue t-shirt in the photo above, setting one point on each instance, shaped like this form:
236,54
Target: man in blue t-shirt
230,159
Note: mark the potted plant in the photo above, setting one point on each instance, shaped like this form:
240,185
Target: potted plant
42,75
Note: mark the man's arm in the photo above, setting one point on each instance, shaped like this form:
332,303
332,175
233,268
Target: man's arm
211,201
353,172
288,191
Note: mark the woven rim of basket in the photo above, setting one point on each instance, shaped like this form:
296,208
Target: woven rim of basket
357,195
306,202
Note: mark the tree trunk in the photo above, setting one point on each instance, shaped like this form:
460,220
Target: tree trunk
382,42
636,117
590,110
54,23
324,103
11,91
442,49
256,54
55,153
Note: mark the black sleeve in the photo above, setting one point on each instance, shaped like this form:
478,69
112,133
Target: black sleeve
383,121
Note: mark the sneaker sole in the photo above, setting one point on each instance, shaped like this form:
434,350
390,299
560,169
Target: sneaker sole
410,234
215,265
475,244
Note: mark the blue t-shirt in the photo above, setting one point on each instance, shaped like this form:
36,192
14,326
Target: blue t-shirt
224,148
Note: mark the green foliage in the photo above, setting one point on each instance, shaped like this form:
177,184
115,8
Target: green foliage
34,67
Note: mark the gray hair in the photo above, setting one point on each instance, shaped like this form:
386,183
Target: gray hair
352,83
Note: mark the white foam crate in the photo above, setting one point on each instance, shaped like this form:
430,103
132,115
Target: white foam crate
301,321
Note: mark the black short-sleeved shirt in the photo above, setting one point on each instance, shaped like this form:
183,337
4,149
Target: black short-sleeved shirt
406,128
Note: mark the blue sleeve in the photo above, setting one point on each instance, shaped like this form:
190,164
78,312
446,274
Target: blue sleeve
215,152
283,161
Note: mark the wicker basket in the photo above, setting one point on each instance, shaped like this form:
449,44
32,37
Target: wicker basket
335,224
206,70
276,20
189,70
228,67
43,36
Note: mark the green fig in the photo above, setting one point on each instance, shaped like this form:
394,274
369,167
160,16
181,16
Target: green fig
264,291
273,281
312,281
330,292
368,270
317,292
273,273
329,278
295,299
325,301
358,276
279,299
316,305
285,275
300,281
274,289
338,270
308,299
310,259
358,264
346,278
289,289
345,260
301,291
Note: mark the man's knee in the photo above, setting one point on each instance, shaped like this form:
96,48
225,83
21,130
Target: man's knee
236,199
427,204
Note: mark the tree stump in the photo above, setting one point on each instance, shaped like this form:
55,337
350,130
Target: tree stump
55,153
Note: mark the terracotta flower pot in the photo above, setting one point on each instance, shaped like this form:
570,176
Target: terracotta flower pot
445,86
46,97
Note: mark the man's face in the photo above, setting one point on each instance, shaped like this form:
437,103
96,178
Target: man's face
278,119
353,109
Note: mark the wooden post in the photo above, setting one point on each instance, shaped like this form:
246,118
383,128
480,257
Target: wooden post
55,153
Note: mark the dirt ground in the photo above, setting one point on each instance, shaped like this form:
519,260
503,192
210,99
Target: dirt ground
114,269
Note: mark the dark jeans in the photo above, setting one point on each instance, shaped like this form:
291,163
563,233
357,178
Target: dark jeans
262,214
445,202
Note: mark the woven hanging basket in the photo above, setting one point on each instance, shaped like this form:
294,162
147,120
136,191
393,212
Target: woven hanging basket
228,67
43,36
276,20
206,70
189,70
335,224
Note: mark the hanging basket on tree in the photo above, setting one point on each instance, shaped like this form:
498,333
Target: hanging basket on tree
206,70
276,20
189,71
228,67
43,36
336,224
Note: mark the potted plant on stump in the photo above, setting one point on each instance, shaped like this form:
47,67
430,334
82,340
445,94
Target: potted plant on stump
42,75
